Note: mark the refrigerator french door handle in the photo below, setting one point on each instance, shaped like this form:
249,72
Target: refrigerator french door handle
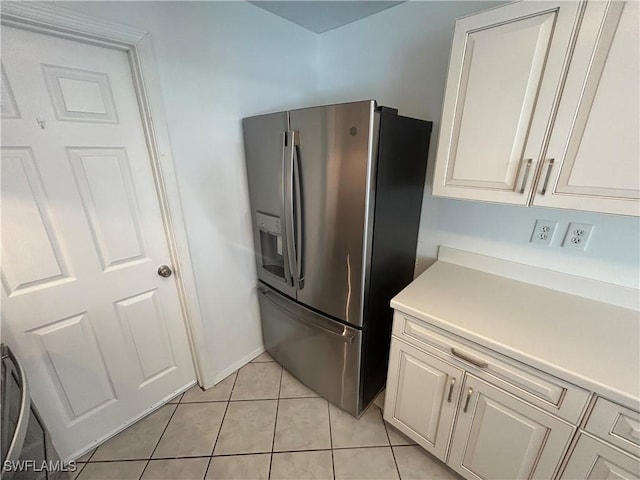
295,143
284,196
289,220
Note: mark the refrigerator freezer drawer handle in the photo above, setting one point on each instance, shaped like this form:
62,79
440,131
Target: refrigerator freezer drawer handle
344,336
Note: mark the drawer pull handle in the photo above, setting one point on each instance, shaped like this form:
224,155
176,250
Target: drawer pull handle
451,385
473,361
466,404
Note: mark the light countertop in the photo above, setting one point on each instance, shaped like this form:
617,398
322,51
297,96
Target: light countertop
590,343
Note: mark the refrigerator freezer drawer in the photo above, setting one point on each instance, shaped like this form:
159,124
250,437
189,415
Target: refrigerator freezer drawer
322,353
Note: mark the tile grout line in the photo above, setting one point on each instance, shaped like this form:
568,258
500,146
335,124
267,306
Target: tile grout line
275,423
159,439
81,469
333,466
187,457
226,408
393,453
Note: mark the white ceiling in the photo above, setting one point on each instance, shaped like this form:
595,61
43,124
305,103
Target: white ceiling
321,16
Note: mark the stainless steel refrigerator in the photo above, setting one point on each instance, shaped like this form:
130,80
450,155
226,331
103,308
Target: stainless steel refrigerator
335,195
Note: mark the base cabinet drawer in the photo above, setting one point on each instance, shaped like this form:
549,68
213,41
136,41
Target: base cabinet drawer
498,436
549,393
595,460
615,424
421,396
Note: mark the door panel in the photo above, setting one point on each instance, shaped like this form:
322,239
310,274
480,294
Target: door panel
104,183
264,138
336,171
500,436
31,227
101,335
85,382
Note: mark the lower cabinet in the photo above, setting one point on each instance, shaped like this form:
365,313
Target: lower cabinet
421,396
499,436
496,435
595,460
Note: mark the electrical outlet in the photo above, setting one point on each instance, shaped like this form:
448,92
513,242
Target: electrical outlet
543,232
578,236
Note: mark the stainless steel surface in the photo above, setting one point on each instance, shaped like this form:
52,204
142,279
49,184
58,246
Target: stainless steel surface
335,158
322,353
323,197
451,385
27,450
331,327
17,442
527,168
468,358
164,271
266,159
466,403
546,178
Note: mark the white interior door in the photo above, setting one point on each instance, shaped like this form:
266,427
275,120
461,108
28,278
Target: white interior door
100,333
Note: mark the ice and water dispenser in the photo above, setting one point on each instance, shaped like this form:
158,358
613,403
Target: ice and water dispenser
271,243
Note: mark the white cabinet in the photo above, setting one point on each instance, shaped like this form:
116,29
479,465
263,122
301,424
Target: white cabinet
504,71
499,436
422,400
593,157
542,107
617,429
595,460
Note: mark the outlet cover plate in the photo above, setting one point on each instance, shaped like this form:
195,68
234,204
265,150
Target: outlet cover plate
543,232
578,236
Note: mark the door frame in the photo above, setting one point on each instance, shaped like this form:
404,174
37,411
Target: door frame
60,22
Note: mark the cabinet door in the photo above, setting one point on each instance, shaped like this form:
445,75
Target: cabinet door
421,396
592,159
504,74
499,436
595,460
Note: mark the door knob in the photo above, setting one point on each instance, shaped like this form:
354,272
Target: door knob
164,271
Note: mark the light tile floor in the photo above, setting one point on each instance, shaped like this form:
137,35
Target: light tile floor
259,423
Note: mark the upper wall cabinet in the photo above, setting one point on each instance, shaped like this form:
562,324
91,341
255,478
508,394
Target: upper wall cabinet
541,107
593,158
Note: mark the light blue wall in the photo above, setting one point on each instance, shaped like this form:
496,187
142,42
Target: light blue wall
400,57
